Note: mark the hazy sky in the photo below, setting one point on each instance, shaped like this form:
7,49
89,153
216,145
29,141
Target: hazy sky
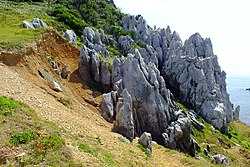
226,22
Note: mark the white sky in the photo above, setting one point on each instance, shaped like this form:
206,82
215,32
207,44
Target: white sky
226,22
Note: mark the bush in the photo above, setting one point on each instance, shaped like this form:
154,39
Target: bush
23,137
70,17
141,44
118,31
44,143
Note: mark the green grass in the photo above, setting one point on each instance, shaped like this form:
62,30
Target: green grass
7,105
103,157
239,133
39,141
226,143
143,149
11,17
181,106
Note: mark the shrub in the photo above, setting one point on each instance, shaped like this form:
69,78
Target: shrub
141,44
23,137
70,17
118,31
44,143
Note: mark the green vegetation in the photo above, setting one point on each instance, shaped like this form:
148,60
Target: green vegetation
181,106
71,19
222,144
109,60
37,140
7,105
113,52
240,134
87,149
11,18
23,137
143,149
141,44
50,58
103,157
118,31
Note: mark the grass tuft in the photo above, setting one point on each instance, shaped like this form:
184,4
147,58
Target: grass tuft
7,105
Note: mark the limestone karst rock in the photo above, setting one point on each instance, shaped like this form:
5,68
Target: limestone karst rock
190,70
150,107
93,40
146,141
70,36
36,23
92,68
220,159
138,89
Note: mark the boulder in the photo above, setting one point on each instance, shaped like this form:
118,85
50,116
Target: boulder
64,73
146,141
55,86
27,24
36,23
220,159
70,36
52,82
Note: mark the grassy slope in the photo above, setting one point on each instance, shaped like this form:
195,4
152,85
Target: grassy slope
11,17
28,140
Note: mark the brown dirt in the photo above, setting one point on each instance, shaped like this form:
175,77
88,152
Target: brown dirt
21,81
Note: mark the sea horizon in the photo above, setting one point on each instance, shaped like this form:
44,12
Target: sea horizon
236,87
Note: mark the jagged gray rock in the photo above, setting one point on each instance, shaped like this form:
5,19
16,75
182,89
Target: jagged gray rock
200,81
105,76
125,42
55,86
92,68
151,108
198,125
140,101
146,141
107,107
191,71
124,122
52,82
93,40
70,36
55,66
220,159
36,23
